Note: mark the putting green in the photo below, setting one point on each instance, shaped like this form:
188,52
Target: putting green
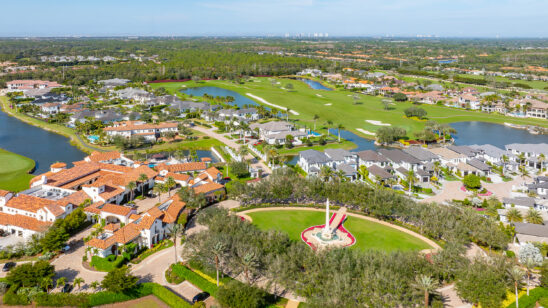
368,234
14,170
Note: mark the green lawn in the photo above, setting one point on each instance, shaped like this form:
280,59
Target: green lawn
14,171
342,109
368,234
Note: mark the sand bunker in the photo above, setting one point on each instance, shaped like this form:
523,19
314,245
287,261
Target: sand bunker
328,104
361,130
379,123
262,100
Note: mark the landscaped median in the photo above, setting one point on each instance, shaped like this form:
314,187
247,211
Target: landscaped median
111,262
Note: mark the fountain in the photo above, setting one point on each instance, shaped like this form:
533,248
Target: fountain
330,234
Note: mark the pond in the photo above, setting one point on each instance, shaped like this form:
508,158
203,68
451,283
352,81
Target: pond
469,133
314,84
44,147
239,100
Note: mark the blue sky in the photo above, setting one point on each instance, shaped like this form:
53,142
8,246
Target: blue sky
462,18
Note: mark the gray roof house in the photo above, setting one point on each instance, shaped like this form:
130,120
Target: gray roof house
490,152
400,159
190,106
369,157
421,154
531,232
523,202
478,164
311,161
376,171
341,156
463,149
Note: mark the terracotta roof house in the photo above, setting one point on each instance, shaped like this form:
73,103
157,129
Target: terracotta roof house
145,230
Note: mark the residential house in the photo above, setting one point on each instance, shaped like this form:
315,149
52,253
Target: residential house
24,85
369,158
150,132
311,161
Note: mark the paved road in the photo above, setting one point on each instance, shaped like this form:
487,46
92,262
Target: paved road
452,190
231,143
69,265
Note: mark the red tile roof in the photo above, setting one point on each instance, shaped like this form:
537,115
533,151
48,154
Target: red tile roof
24,222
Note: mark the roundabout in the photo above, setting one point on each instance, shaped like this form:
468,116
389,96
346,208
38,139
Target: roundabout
368,233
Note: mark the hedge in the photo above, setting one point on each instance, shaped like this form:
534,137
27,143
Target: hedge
197,280
12,298
530,301
168,297
107,297
96,299
62,299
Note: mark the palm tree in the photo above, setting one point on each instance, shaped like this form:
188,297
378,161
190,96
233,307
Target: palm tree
219,252
143,178
410,179
158,189
78,281
340,176
326,173
61,282
534,217
46,283
529,266
316,117
523,171
328,123
242,151
521,157
505,160
437,168
339,127
427,284
363,172
131,186
243,128
541,159
248,261
175,230
287,114
516,275
94,285
170,183
514,215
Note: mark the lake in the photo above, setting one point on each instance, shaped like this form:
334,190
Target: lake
44,147
496,134
239,100
314,84
468,133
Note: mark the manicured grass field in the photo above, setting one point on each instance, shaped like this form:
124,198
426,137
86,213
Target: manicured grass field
343,109
368,234
14,170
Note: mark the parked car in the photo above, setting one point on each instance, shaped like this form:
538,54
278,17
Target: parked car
200,297
8,266
67,288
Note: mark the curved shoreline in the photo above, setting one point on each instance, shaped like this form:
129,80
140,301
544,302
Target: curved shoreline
74,139
434,245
